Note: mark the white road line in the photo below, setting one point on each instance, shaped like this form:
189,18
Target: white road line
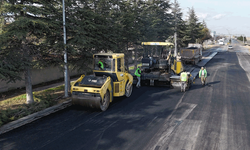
185,136
172,122
244,63
223,142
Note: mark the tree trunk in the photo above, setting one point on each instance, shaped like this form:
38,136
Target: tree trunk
135,56
69,85
27,75
28,84
127,57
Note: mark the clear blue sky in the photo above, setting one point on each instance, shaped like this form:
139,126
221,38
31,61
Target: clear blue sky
222,16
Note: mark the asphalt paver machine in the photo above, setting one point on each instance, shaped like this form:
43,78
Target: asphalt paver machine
98,90
163,69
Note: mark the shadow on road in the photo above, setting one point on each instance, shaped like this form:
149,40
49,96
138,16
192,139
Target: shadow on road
217,60
211,83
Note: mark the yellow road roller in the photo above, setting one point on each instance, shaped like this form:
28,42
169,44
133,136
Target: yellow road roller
110,79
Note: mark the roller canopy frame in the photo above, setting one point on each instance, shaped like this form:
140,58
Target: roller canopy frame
157,43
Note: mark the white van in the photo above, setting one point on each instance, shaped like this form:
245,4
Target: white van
221,42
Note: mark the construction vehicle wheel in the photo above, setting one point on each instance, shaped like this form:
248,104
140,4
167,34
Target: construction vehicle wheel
128,89
104,104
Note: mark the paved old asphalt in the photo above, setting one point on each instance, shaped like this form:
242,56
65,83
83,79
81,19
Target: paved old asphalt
210,117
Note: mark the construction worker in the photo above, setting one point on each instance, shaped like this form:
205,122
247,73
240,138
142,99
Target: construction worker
138,74
178,57
183,78
100,64
203,75
169,55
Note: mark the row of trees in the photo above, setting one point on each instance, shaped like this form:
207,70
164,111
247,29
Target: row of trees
33,34
190,30
242,38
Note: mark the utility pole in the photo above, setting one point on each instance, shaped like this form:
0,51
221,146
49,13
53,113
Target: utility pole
175,43
65,55
175,31
229,35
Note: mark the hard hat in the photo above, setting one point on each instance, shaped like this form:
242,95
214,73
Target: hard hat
202,68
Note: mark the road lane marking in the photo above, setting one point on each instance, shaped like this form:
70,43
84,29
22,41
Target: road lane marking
180,113
223,142
185,136
244,63
165,126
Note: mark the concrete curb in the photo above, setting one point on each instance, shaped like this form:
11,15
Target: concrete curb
202,64
28,119
206,59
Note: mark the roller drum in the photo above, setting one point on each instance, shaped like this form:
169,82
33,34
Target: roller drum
87,100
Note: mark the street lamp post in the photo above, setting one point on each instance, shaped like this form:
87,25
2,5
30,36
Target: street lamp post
175,44
229,35
65,55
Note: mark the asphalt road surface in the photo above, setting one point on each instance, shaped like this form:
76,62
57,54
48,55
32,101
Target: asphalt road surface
214,117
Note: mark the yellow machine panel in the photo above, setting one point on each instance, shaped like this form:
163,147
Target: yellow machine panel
177,67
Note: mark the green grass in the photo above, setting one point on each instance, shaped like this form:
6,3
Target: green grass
14,108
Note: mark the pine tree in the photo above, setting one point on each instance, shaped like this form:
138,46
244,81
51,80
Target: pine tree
90,31
193,27
179,24
156,21
28,38
1,18
204,32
